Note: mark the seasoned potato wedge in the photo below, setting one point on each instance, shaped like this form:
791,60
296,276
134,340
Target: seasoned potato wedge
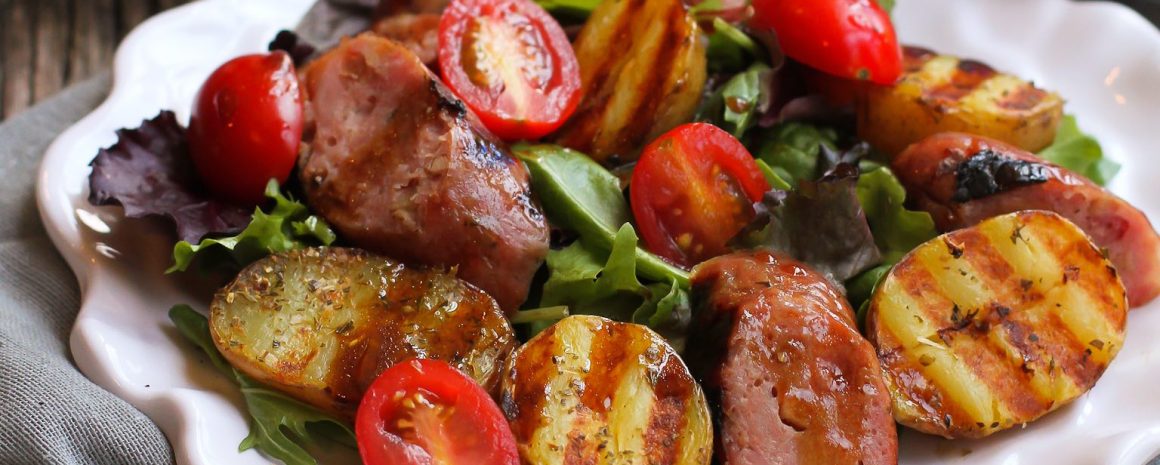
594,391
940,93
642,68
993,326
320,324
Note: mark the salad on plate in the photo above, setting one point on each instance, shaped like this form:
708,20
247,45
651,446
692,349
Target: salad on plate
636,232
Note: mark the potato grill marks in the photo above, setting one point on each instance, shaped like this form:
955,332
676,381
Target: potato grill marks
592,391
992,339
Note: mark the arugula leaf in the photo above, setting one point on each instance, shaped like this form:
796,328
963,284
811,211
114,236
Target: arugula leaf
1079,152
668,313
730,49
289,225
771,176
734,106
579,194
792,150
887,5
273,415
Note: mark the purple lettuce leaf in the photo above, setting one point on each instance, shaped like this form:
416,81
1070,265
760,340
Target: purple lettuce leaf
148,172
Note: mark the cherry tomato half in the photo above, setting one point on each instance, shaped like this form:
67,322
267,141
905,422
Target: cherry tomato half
511,63
425,412
692,190
246,126
848,38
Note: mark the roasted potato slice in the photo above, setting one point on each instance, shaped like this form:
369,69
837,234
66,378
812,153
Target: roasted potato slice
940,93
642,70
594,391
996,325
320,324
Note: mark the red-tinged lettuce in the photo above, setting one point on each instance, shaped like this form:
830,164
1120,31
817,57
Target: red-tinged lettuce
148,172
820,223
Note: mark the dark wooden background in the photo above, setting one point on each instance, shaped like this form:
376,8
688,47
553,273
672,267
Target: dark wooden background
45,45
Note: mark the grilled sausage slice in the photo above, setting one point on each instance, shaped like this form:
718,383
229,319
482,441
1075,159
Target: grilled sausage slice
780,355
593,391
993,326
964,179
399,166
418,32
321,324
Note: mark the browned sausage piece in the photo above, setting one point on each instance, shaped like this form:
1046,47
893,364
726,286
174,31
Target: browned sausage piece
963,179
780,355
399,166
418,32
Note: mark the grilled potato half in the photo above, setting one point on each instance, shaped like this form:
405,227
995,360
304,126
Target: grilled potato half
939,93
321,324
594,391
996,325
642,70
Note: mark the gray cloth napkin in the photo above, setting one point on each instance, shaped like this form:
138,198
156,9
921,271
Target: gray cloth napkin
49,412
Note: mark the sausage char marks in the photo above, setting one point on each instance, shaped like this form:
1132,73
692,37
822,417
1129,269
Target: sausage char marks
400,167
938,93
933,172
779,354
591,391
994,326
321,324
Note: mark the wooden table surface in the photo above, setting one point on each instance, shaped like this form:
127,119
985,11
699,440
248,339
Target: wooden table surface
45,45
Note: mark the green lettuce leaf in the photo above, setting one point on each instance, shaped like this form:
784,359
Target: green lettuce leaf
288,225
887,5
1079,152
569,11
792,150
733,107
592,282
279,425
580,195
730,49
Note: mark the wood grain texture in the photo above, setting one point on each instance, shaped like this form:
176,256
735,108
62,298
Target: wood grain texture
47,45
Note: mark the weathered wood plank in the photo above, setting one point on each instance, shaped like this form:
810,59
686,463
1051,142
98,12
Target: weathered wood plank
51,20
17,66
93,39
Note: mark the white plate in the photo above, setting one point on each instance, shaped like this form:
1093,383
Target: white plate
1102,57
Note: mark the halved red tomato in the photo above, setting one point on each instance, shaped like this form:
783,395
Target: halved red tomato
847,38
511,64
425,412
692,190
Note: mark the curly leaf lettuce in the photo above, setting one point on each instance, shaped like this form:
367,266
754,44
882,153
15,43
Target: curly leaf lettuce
1079,152
289,225
792,150
279,425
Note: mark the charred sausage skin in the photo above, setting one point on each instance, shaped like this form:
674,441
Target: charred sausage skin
930,170
399,166
780,356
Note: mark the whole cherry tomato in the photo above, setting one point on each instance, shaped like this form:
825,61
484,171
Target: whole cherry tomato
511,63
692,190
246,126
425,412
847,38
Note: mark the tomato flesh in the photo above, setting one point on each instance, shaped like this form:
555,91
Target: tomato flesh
246,126
425,412
511,63
847,38
693,190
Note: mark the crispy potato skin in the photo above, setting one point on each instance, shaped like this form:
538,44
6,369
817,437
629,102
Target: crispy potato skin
778,351
994,326
321,324
642,71
928,170
940,93
592,391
